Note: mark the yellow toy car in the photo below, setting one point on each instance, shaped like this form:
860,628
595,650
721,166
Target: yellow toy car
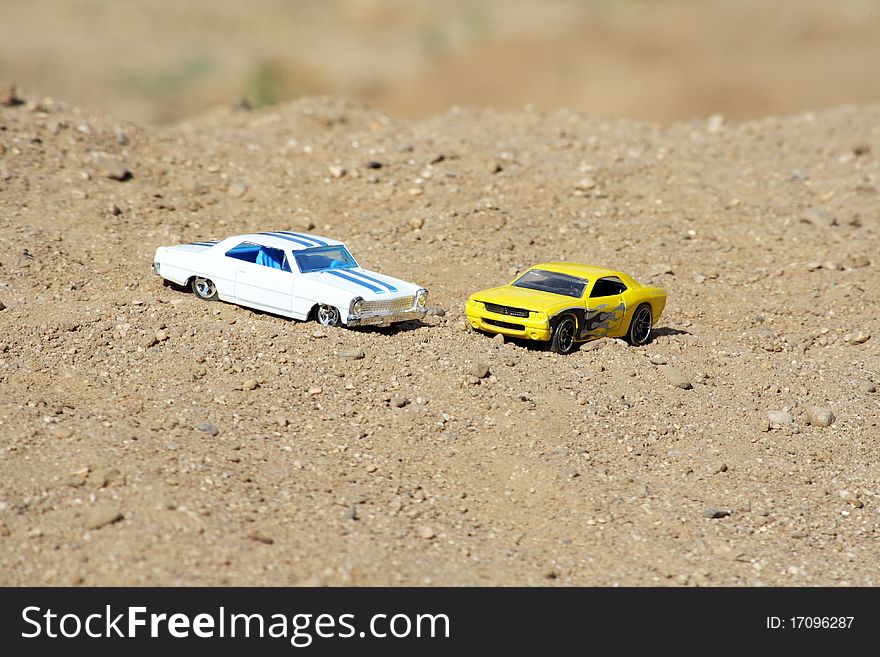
564,303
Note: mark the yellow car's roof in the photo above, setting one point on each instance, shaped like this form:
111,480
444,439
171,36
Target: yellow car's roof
576,269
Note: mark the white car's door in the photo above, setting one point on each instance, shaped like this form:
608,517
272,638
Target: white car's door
264,287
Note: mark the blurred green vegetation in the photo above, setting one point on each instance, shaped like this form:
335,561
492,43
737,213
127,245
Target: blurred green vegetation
167,81
274,79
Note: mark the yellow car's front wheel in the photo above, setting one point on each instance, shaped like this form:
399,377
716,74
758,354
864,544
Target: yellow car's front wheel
562,341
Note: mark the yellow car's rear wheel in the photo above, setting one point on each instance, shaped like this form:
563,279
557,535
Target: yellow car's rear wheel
640,326
562,341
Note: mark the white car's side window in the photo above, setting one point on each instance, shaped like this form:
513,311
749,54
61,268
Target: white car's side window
260,255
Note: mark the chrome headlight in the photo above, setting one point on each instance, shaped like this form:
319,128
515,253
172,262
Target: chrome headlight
421,298
357,306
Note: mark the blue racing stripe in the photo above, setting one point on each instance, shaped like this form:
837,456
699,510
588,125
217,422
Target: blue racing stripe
355,280
390,287
287,237
203,243
305,237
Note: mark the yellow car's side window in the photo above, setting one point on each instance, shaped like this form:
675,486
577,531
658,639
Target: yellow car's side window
607,287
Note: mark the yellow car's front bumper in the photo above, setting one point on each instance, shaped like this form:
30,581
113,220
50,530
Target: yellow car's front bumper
534,327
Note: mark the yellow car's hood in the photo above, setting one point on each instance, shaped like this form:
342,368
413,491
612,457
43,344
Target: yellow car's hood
520,297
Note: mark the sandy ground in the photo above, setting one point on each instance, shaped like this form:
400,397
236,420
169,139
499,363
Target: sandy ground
401,468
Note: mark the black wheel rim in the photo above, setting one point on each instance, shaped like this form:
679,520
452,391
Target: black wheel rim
642,326
566,335
205,288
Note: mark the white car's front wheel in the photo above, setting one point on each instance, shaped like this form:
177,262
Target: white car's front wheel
328,315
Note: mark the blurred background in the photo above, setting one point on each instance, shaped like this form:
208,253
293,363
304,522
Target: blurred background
158,61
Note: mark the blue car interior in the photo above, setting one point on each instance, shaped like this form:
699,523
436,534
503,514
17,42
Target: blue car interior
260,255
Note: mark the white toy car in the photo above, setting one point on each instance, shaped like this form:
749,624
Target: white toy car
296,275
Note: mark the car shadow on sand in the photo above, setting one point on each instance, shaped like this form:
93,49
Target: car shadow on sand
532,345
394,329
666,331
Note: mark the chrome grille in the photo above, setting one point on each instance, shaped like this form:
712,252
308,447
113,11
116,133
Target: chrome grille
388,305
506,310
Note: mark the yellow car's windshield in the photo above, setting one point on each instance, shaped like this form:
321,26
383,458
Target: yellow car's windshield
553,282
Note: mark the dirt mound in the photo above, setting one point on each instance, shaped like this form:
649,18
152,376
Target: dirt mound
150,438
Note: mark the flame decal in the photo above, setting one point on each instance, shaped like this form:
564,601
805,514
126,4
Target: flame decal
599,322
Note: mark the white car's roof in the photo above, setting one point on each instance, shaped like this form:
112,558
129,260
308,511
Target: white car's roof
285,239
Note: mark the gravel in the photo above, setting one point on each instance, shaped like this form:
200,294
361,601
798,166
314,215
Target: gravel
483,462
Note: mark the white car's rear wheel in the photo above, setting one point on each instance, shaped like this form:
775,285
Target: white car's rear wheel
328,315
204,288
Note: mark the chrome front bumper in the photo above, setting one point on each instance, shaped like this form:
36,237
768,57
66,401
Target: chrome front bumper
389,318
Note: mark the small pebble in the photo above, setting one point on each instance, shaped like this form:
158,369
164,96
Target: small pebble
782,418
351,354
857,338
712,512
103,477
208,428
237,189
820,416
113,168
819,217
250,384
101,516
675,377
479,370
592,345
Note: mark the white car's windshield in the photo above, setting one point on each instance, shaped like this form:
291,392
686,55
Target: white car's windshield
325,257
551,281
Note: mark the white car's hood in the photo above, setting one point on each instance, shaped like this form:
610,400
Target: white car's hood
369,285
